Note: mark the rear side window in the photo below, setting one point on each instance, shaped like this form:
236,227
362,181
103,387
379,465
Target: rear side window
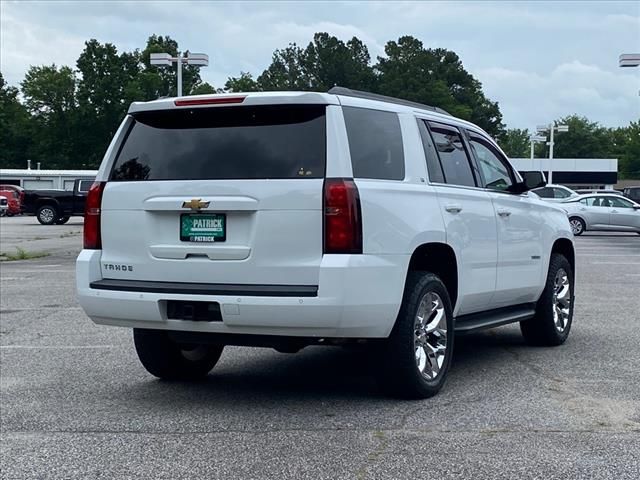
375,143
453,155
283,141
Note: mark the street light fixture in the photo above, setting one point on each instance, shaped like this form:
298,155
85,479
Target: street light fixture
629,60
551,128
166,60
535,139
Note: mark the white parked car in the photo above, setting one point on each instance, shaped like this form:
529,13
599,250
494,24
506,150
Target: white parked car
603,212
288,219
555,193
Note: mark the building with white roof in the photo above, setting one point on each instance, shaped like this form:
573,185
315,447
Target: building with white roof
35,179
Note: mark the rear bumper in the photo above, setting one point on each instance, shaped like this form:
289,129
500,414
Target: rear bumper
358,296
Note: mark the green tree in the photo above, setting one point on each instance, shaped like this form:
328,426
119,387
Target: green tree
436,77
286,72
328,62
105,90
585,139
15,137
625,146
203,89
243,83
515,143
50,96
162,81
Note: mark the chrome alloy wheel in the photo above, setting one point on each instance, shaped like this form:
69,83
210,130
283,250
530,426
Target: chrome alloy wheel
430,335
47,214
576,226
561,300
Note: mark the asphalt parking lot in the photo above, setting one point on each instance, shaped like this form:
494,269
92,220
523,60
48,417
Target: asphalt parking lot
75,403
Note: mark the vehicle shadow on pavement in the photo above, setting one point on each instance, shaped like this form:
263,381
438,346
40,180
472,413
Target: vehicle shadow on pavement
319,373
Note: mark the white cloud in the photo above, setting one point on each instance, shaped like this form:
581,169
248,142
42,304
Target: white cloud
540,60
530,98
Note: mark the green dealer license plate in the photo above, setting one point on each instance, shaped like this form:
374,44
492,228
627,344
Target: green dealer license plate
203,227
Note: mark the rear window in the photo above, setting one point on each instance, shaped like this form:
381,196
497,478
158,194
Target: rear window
283,141
85,185
375,143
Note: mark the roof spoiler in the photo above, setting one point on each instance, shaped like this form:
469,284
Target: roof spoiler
347,92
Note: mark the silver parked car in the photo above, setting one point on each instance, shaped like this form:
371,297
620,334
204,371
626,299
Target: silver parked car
602,212
555,193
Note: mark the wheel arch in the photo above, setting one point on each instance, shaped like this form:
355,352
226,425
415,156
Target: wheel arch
439,259
564,246
41,202
577,215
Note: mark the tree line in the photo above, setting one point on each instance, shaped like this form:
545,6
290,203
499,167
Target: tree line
65,117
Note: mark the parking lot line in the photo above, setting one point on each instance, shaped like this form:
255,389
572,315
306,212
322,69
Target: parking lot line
54,347
614,263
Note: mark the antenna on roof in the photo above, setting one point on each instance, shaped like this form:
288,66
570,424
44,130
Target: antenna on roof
347,92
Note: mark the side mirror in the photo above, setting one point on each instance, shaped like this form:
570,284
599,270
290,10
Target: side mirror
637,207
534,180
531,180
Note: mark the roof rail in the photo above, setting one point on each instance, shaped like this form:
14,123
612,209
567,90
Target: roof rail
348,92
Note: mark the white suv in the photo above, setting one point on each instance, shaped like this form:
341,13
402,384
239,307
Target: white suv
289,219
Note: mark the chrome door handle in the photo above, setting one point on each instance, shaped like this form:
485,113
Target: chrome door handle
614,211
453,208
504,213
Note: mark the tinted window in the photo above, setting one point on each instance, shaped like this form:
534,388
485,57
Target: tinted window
453,155
560,193
225,143
495,173
544,192
375,143
85,185
433,162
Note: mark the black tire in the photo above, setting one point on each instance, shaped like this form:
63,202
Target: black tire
168,360
62,220
399,373
542,329
578,226
47,214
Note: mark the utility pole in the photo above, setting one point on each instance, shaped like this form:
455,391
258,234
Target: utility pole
551,129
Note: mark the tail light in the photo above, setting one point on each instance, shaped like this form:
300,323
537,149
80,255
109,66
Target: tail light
342,216
190,102
92,210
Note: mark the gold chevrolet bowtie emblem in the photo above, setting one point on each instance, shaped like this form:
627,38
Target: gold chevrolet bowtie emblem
195,204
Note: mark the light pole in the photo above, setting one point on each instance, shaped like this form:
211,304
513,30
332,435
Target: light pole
629,60
535,139
551,128
167,60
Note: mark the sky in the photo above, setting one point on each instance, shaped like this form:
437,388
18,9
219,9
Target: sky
540,60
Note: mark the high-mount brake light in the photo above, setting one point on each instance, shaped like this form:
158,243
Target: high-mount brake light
191,102
92,211
342,216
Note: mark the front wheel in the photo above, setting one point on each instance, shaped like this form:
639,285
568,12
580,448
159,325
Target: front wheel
577,225
416,357
554,311
166,359
47,215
